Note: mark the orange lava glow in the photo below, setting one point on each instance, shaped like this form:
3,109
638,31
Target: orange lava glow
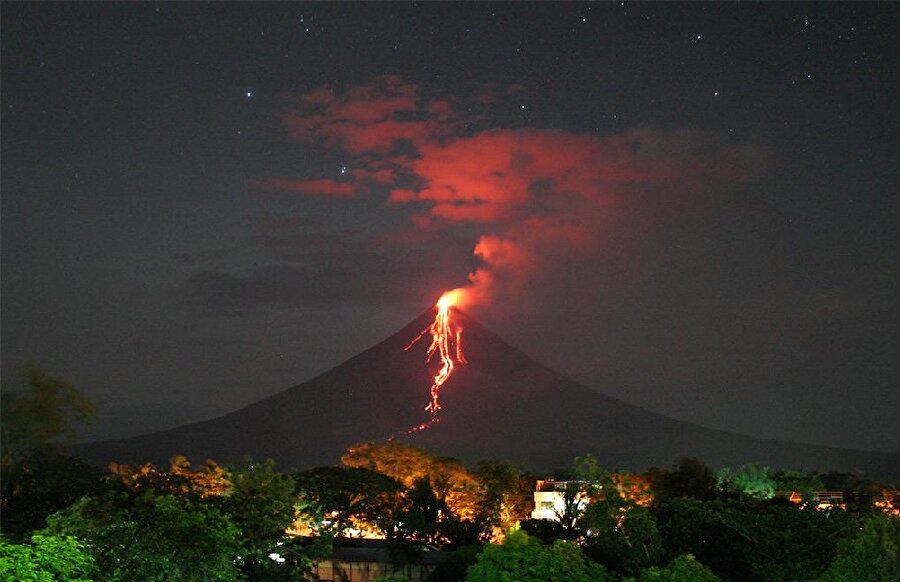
446,342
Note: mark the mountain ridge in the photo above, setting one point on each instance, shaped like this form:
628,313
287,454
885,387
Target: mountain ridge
501,404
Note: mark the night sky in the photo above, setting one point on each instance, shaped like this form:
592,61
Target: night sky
694,208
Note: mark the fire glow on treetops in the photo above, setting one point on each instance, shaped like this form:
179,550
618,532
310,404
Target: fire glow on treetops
446,342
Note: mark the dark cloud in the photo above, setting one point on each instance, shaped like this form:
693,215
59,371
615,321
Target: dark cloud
327,280
297,246
319,270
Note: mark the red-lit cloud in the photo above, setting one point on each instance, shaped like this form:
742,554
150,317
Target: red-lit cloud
313,187
539,196
369,118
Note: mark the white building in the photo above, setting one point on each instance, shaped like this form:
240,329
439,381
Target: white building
550,500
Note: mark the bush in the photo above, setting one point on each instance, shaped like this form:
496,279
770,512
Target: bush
873,554
684,568
47,559
522,558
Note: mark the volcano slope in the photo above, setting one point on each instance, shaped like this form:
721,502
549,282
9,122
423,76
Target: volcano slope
502,404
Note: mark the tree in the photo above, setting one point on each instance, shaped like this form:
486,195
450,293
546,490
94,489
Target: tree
38,417
860,495
36,421
422,518
546,530
346,498
457,494
522,558
624,538
153,537
587,469
619,533
209,481
574,499
46,559
752,540
253,496
46,484
688,478
508,492
449,478
684,568
751,480
585,480
180,480
806,483
634,489
260,502
454,568
873,554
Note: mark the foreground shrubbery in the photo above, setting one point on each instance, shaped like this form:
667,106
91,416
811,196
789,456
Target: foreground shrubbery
228,523
873,553
46,558
63,520
526,559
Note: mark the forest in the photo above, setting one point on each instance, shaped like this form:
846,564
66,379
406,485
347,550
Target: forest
244,519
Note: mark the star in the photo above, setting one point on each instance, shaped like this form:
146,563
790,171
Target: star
248,95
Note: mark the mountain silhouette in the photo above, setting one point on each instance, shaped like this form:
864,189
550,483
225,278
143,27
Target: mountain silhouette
502,404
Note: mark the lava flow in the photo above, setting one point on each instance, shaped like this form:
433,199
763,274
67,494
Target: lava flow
446,341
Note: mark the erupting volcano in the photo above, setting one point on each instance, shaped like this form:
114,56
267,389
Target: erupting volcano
501,405
446,341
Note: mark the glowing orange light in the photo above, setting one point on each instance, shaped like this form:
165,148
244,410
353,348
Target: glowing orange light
446,342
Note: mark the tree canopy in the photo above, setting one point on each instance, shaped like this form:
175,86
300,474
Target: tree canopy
522,558
40,414
451,481
37,420
153,537
873,553
46,559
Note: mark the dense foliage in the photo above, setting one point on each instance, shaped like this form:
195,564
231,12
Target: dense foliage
36,421
443,502
682,569
153,537
871,554
46,559
522,558
750,540
65,520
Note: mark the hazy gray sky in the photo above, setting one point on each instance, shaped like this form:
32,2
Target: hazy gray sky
691,207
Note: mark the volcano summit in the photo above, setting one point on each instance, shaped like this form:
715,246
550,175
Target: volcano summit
501,404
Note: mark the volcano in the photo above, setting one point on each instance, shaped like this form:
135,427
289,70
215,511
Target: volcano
502,404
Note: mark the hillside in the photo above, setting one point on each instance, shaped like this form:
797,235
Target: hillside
502,404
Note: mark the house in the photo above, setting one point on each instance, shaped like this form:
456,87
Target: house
550,495
550,498
362,560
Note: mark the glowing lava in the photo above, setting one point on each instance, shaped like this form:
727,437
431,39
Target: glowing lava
446,342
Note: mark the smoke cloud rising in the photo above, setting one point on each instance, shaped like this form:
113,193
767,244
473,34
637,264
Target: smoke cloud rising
539,198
